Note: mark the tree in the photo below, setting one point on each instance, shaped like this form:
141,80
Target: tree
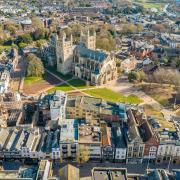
141,76
159,27
37,23
22,45
35,66
176,61
105,41
83,154
2,34
25,38
40,43
12,28
39,33
129,28
132,76
169,76
165,60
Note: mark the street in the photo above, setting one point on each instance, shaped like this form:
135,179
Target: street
85,169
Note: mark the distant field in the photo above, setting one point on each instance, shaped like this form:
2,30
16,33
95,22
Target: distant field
112,96
151,4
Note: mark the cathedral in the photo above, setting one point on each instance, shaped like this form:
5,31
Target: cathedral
84,60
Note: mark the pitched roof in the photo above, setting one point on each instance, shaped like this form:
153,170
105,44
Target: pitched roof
69,172
91,54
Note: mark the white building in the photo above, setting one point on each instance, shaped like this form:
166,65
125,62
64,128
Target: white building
119,144
68,139
57,106
169,147
4,82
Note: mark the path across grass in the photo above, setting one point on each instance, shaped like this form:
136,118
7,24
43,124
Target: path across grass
63,87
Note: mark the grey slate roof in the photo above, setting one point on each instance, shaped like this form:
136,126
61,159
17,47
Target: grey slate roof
91,54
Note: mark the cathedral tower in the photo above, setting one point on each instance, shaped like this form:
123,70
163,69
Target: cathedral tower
64,54
89,40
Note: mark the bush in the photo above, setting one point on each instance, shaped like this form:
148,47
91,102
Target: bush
132,76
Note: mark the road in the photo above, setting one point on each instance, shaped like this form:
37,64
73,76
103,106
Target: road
85,169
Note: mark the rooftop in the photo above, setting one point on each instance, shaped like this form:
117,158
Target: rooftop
89,133
88,103
91,54
118,138
51,140
109,174
68,130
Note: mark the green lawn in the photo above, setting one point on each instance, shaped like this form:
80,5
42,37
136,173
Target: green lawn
62,87
112,96
5,47
152,5
64,77
30,80
78,83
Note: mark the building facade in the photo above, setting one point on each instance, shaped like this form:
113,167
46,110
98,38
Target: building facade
83,60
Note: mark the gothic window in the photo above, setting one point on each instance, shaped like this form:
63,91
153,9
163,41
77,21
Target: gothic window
76,59
108,69
60,60
93,79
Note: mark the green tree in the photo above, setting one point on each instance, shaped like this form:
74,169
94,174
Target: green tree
37,23
35,66
165,60
132,76
105,41
39,33
129,28
176,61
25,38
141,76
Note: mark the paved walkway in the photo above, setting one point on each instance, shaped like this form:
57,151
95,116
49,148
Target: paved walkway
66,82
123,86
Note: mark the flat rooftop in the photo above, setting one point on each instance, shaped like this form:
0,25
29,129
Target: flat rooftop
89,133
109,174
68,130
